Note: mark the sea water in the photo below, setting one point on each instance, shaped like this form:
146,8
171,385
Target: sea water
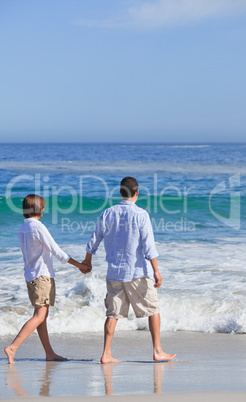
195,195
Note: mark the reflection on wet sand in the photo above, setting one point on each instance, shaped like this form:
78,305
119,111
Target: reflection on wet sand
45,379
157,373
14,380
107,372
158,369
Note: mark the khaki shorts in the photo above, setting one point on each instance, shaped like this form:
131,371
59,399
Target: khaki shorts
140,293
41,291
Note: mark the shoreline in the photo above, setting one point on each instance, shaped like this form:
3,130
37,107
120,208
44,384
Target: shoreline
206,364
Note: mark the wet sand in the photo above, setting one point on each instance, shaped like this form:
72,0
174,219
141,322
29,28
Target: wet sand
207,367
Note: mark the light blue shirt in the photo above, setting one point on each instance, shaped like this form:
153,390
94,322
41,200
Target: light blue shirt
128,241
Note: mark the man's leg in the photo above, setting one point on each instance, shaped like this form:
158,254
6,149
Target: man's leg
26,330
154,327
44,338
109,329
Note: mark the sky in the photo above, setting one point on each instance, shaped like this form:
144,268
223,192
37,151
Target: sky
123,71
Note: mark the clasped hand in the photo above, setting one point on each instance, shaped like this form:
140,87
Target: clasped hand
85,267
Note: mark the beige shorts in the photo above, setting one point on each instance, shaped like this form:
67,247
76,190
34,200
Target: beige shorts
140,293
42,291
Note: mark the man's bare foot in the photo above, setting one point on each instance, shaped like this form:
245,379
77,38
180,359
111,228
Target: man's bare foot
108,359
55,358
163,356
10,352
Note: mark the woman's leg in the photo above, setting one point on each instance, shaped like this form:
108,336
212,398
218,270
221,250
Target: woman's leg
38,317
44,338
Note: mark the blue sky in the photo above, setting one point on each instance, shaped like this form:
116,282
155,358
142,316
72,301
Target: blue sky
123,71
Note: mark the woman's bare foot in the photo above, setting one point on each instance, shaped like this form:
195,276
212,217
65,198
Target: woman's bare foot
10,352
55,358
163,356
108,359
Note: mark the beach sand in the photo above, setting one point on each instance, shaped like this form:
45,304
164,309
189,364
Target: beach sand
207,367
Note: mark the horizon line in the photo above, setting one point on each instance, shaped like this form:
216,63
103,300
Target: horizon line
122,142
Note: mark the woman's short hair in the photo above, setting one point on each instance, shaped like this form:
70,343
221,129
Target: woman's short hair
128,187
33,205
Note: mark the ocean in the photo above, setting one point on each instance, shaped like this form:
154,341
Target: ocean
195,195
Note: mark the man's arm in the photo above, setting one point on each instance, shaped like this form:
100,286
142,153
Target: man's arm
148,241
93,243
150,252
157,275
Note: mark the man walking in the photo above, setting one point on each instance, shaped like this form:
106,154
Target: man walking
132,264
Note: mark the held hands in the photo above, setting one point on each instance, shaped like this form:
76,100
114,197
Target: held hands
85,267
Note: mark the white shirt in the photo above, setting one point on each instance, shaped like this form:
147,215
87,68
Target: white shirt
128,241
37,246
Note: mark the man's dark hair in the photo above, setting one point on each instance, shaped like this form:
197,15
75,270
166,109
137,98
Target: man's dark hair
128,187
33,205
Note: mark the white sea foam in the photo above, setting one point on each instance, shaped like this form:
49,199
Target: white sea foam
203,290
